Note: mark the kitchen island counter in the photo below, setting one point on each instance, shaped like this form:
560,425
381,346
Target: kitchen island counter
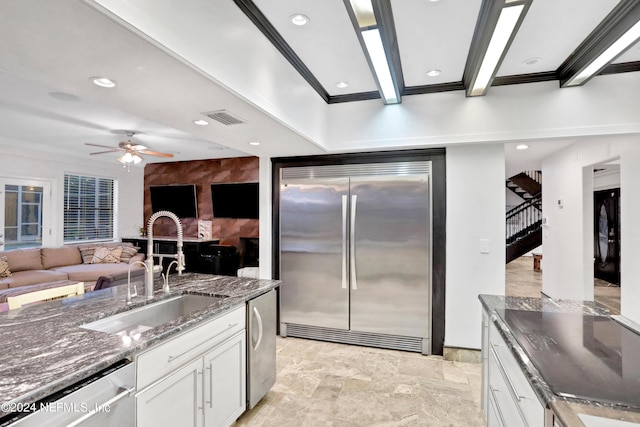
525,326
46,350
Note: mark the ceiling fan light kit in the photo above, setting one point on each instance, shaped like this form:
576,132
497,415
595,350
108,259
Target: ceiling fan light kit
132,152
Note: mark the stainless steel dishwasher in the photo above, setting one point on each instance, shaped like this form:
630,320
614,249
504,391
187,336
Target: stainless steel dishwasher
261,348
105,399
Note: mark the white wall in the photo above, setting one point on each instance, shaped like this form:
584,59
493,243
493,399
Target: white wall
568,237
475,211
46,166
266,255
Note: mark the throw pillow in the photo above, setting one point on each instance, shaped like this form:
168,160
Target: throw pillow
86,252
4,267
104,255
127,253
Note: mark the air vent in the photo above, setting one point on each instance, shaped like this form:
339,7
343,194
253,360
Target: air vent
224,117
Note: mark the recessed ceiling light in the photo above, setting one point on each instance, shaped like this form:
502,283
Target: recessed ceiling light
201,122
434,73
254,143
102,82
531,61
299,19
522,147
342,85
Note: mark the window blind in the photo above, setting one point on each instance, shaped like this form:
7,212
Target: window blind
88,208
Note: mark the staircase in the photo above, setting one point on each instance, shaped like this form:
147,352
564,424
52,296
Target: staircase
524,222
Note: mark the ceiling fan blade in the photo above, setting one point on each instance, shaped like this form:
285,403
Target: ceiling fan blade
102,146
155,153
103,152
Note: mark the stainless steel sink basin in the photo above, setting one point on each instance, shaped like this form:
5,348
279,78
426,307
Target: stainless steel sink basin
148,317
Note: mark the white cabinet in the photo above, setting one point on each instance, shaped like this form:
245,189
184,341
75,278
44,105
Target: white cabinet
175,401
508,397
225,382
197,378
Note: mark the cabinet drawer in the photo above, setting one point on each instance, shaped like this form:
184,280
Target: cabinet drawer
167,356
523,394
506,407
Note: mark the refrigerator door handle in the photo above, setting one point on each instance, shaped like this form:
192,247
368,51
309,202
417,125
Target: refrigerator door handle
260,328
352,243
344,242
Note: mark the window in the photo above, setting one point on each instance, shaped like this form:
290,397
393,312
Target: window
22,216
89,208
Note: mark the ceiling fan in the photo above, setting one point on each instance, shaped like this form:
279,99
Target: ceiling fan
132,152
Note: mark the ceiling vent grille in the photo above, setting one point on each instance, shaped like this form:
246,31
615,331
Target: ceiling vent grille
225,117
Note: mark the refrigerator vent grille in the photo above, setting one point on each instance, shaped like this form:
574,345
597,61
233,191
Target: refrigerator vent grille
394,342
365,169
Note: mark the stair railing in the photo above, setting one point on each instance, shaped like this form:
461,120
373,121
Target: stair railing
524,218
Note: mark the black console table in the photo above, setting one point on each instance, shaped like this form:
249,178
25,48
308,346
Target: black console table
192,248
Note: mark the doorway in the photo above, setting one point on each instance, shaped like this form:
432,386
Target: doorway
607,228
24,207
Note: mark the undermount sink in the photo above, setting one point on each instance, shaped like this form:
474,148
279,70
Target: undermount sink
148,317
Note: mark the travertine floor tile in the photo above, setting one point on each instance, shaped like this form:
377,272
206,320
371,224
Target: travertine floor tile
335,385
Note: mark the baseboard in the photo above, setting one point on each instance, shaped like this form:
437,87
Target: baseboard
456,354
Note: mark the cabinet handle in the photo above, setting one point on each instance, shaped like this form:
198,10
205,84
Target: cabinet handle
210,401
123,393
505,374
172,358
495,404
260,328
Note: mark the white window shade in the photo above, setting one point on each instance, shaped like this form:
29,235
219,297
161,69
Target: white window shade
89,208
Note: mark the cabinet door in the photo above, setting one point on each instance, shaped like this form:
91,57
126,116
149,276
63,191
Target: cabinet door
174,401
225,382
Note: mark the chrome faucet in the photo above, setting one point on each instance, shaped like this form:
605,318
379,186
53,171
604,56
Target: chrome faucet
135,291
148,286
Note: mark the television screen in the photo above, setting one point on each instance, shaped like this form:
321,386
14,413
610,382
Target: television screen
179,199
237,200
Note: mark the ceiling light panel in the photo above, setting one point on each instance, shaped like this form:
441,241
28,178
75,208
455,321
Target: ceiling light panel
551,31
631,55
327,39
618,31
433,35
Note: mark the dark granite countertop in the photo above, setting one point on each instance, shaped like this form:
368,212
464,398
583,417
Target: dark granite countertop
45,350
566,408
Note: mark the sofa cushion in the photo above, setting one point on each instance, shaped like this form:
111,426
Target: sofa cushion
23,259
127,253
91,272
65,255
87,249
32,277
103,255
4,267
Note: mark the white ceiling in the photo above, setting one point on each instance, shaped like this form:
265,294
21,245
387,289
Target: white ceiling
173,61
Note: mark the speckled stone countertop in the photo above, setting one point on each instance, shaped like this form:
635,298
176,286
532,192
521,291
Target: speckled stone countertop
565,408
44,349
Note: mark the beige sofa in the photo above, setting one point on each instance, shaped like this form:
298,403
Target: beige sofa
34,266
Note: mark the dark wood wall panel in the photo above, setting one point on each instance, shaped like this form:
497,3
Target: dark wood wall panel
203,173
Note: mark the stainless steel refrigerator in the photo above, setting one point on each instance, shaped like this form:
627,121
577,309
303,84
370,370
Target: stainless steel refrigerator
355,254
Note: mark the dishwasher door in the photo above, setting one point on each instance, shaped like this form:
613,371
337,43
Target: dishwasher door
105,399
261,346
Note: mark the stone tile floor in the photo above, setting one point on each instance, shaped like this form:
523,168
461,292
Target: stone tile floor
522,281
335,385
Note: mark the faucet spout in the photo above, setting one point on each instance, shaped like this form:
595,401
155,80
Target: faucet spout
165,278
148,287
135,291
